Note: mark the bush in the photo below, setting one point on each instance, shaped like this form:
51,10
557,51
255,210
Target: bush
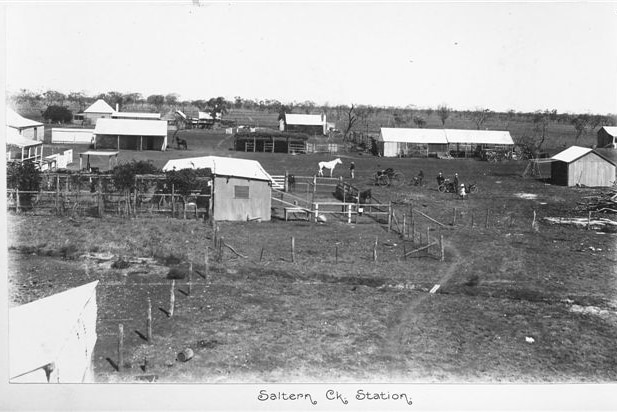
58,114
124,175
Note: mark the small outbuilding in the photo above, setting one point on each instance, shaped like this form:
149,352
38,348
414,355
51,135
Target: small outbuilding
581,166
270,141
311,124
130,134
98,110
26,128
241,188
607,137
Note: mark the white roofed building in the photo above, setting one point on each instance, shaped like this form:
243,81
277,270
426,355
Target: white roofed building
130,134
21,149
97,110
240,188
26,128
312,124
136,115
404,142
607,137
582,166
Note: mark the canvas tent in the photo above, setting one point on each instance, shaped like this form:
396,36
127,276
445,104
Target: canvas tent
130,134
581,166
51,340
240,187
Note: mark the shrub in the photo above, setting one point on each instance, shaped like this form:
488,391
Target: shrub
58,114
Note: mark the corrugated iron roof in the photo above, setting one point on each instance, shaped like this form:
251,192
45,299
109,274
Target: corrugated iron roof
403,135
131,127
479,136
100,106
14,119
444,136
612,130
121,115
571,154
14,138
222,166
304,119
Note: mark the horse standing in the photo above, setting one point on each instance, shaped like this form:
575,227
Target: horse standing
329,165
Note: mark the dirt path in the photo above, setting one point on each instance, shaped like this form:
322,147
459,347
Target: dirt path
403,322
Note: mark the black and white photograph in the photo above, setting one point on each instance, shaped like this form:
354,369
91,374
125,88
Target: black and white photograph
309,206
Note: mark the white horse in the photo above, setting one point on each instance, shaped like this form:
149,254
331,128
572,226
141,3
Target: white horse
329,165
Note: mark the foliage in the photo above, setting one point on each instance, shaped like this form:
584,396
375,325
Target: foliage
156,99
580,123
58,114
123,175
185,181
419,121
444,112
23,176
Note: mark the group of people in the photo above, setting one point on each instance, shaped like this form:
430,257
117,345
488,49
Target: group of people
459,189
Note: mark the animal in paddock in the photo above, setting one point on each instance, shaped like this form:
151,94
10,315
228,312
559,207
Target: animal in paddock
181,143
329,165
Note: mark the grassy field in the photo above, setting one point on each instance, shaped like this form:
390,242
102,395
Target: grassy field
334,314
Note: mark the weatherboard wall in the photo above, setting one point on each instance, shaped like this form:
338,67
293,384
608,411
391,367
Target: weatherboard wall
228,206
589,170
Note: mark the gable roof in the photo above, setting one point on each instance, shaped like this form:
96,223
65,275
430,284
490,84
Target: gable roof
573,153
131,127
304,119
15,120
100,106
479,136
222,166
612,130
403,135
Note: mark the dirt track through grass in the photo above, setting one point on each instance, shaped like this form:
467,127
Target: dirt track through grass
405,320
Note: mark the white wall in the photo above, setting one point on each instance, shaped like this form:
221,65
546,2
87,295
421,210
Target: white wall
72,136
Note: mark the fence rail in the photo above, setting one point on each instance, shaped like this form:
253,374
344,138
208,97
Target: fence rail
98,203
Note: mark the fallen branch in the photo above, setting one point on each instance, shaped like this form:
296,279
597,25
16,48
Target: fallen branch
422,248
233,250
429,218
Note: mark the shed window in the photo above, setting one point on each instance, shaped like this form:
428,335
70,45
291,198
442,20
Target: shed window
241,192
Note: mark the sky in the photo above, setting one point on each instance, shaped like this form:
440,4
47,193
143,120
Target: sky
523,56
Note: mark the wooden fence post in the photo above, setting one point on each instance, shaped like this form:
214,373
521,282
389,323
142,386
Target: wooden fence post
149,321
348,213
375,251
442,257
120,346
206,274
316,211
285,185
389,216
16,200
172,298
57,193
293,249
221,250
190,280
100,197
173,200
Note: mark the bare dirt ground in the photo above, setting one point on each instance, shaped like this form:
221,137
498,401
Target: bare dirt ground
516,303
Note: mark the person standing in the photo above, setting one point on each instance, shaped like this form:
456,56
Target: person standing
455,181
440,179
352,170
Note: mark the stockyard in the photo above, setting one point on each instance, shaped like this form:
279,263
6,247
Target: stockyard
513,283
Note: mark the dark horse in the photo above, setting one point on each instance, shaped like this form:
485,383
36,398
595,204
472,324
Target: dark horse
181,143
